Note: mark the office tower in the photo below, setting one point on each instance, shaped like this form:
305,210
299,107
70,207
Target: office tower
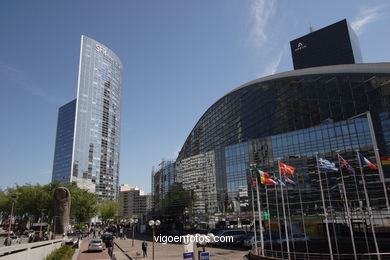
331,45
96,138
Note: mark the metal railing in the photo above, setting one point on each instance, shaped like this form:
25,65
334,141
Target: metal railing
325,256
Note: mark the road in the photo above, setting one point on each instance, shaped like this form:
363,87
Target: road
84,254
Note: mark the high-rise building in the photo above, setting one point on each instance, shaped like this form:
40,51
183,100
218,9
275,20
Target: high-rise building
332,45
134,203
64,142
95,120
296,117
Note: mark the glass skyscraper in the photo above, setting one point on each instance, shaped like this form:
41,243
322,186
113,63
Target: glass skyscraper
95,147
328,108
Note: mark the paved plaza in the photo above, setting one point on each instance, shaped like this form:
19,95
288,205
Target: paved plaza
174,251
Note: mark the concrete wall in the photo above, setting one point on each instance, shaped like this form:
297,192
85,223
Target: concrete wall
33,251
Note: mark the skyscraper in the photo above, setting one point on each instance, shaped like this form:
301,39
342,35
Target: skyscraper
331,45
96,128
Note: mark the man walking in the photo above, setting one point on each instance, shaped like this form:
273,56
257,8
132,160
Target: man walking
145,248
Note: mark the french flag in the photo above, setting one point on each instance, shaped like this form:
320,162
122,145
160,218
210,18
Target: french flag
364,161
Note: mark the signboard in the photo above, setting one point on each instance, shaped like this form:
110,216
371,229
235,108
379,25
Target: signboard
188,247
204,255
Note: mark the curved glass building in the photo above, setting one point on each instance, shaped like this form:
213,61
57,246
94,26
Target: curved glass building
334,112
95,143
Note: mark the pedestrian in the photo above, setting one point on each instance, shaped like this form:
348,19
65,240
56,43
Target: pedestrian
145,248
30,238
111,247
7,241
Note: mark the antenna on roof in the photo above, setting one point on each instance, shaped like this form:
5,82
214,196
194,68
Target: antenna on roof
311,29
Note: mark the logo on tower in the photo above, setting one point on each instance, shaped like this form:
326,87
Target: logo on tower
300,46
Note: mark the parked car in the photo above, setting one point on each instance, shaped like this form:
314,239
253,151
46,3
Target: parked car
240,241
224,236
96,245
250,240
296,237
15,240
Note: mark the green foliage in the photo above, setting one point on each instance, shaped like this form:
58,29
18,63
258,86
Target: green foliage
62,253
33,200
176,200
84,205
108,209
79,225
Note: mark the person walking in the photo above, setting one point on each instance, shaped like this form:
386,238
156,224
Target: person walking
145,248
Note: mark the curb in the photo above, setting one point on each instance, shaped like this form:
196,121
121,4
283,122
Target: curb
123,251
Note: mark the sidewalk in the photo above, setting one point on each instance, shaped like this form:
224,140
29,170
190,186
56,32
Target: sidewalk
172,251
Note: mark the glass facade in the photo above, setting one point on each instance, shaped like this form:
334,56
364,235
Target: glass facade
64,142
95,155
294,117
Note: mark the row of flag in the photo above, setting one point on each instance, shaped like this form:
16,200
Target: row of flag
324,165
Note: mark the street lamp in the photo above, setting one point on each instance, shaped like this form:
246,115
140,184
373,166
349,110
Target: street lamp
153,224
133,222
40,228
13,197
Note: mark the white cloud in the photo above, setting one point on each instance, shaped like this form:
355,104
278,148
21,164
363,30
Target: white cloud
176,152
20,79
273,66
366,16
45,171
261,13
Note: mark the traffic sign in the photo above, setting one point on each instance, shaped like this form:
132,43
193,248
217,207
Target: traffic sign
204,255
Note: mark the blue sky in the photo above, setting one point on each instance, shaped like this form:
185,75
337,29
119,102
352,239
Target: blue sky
179,58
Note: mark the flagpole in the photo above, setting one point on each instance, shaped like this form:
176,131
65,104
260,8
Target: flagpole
260,218
378,161
368,205
278,215
303,219
253,212
349,217
333,218
284,215
325,211
269,218
289,218
362,214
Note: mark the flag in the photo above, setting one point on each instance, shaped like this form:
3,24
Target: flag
270,181
252,181
264,177
288,180
385,160
279,182
344,163
284,168
326,165
364,161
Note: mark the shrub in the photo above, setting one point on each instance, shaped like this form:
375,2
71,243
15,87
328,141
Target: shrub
62,253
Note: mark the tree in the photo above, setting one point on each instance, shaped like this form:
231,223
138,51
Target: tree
32,200
108,209
84,205
176,200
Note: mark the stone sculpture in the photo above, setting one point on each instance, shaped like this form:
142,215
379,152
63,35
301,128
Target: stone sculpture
62,201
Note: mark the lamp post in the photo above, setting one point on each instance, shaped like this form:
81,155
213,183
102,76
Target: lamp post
133,222
13,197
40,226
153,224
